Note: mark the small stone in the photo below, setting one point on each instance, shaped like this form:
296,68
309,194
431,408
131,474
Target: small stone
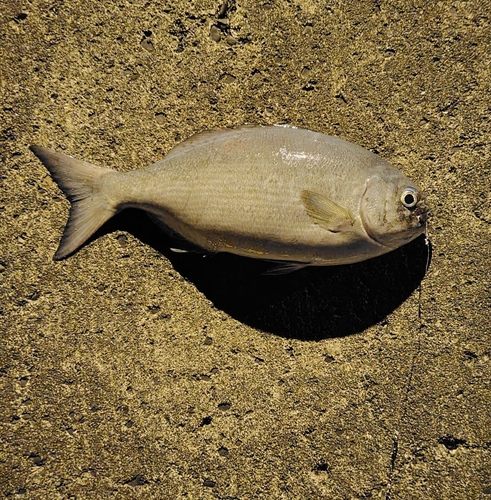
147,45
228,78
215,34
160,118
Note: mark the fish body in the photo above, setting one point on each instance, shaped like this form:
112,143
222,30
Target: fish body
277,193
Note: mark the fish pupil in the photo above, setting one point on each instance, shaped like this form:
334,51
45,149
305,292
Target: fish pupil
409,199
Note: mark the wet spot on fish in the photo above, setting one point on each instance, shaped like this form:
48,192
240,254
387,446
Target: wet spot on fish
208,341
224,406
209,483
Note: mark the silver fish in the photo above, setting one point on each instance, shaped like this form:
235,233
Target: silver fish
276,193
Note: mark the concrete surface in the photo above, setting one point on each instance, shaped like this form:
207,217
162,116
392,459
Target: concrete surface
127,372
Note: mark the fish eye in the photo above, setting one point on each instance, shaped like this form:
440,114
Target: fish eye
409,198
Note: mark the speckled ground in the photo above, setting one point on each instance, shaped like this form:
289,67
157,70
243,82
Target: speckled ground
127,372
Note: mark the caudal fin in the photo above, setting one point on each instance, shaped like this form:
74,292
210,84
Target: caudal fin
80,182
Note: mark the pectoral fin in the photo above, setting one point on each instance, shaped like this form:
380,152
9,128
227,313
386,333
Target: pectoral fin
326,213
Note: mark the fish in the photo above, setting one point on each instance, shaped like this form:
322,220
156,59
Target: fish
278,193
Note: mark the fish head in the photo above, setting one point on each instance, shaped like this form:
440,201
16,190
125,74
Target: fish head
393,210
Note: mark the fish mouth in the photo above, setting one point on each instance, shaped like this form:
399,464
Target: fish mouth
422,213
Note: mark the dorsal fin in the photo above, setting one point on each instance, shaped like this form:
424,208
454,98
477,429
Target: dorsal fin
205,137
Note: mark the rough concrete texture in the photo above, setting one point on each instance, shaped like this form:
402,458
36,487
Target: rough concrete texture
129,372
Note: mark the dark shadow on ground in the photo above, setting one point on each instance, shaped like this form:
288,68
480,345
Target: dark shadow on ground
309,304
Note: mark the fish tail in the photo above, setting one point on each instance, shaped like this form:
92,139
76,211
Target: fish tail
81,183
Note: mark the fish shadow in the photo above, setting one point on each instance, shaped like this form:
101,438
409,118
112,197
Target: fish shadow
310,304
